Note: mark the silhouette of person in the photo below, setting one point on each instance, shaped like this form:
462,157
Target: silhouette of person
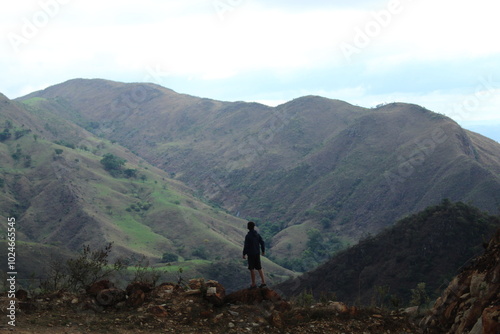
253,247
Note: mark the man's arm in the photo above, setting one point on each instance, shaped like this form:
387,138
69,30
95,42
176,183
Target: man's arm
245,247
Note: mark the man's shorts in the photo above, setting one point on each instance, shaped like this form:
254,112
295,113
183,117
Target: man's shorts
254,262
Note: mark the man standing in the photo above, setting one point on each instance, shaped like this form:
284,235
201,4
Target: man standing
253,245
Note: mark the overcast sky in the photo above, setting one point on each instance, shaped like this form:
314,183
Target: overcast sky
443,55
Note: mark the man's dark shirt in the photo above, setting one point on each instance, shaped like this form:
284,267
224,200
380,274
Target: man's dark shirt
252,242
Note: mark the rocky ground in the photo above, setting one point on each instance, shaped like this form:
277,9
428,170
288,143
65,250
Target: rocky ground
202,307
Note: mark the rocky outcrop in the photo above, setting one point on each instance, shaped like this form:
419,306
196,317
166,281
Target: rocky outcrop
471,302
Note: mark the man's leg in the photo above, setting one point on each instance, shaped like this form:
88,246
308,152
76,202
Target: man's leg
252,276
261,274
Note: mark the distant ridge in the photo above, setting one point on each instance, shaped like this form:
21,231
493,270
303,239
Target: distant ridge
426,247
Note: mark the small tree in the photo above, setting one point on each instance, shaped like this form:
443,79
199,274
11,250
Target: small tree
57,276
130,172
113,164
90,267
419,295
145,273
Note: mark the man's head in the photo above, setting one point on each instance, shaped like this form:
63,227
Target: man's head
251,225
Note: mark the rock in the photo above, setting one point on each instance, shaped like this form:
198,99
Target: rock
478,327
490,319
253,296
27,306
216,293
271,295
97,287
136,299
144,287
411,311
22,294
339,307
164,291
196,283
476,284
158,311
206,313
217,318
109,297
91,305
276,319
450,310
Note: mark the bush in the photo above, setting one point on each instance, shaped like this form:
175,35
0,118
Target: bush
113,164
5,135
18,154
169,257
129,173
200,252
145,273
90,267
65,143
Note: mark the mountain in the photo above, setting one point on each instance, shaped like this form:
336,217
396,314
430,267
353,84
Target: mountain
311,164
54,183
427,247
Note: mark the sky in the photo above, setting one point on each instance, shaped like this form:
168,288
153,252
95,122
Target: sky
443,55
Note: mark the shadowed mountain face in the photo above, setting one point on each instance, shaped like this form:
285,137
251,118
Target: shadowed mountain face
311,163
427,247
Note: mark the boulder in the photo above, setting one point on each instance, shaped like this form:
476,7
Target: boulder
136,299
110,297
490,318
216,293
97,287
134,286
257,296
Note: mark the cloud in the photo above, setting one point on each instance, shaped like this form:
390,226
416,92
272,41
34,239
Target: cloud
426,52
